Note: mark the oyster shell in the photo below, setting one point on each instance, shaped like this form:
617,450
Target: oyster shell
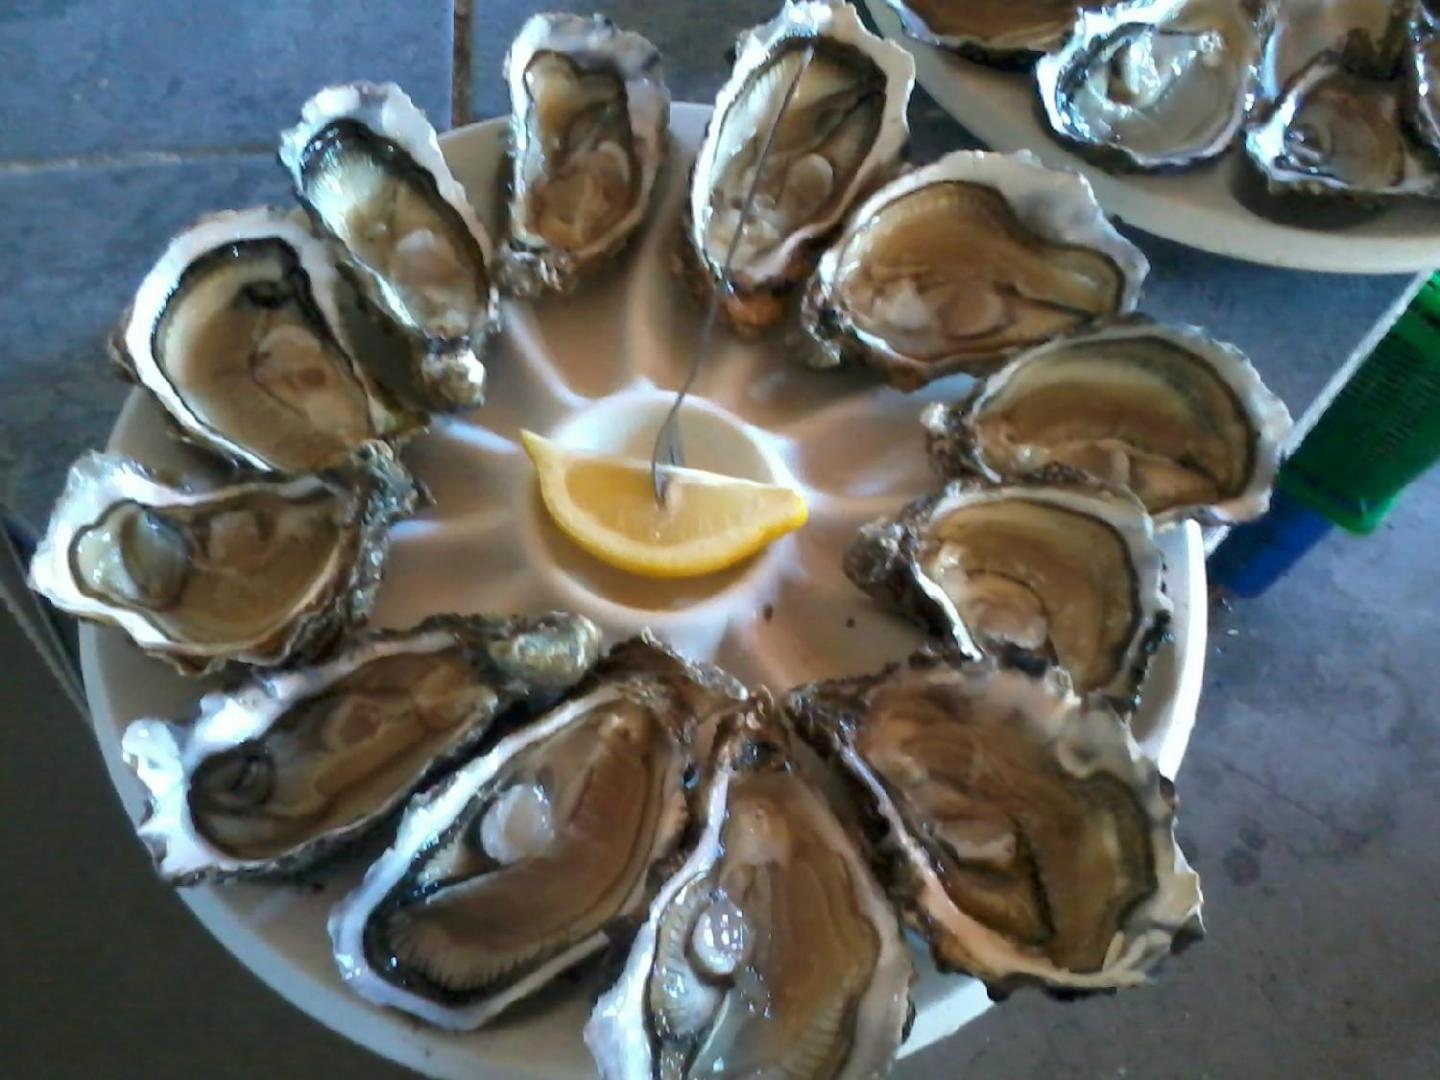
1371,30
771,952
1156,84
278,772
1180,420
961,264
1422,70
1021,829
1070,575
367,166
842,134
588,124
1339,129
519,865
1003,32
259,572
237,332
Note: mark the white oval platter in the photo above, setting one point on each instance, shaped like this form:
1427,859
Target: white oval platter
596,371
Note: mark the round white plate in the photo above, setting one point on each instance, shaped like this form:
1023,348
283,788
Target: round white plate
592,370
1216,207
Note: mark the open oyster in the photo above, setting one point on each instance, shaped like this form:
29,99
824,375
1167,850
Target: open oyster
518,866
1340,129
367,166
771,952
276,773
237,332
1071,575
1023,832
959,265
1004,32
258,572
1181,420
588,123
843,133
1156,84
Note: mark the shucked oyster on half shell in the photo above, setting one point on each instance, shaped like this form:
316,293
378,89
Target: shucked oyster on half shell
1156,84
278,772
842,134
520,865
959,265
1004,32
1339,131
1020,828
1343,125
1068,574
772,951
1182,421
366,165
588,136
259,572
237,332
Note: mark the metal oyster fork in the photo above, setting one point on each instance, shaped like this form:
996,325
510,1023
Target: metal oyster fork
669,450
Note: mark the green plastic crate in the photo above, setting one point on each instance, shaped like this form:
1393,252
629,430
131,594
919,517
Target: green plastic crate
1383,428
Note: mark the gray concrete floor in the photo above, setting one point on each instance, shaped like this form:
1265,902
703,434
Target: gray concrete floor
1309,794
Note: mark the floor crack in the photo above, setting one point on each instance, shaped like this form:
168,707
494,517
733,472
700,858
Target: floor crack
1349,836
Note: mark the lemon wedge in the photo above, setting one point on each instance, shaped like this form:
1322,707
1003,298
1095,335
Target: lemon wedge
607,506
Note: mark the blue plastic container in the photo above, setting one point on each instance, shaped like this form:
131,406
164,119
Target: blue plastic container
1259,553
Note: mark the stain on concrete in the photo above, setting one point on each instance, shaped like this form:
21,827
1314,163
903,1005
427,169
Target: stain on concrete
1241,866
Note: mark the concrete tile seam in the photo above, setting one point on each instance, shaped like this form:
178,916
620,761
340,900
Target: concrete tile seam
462,51
133,159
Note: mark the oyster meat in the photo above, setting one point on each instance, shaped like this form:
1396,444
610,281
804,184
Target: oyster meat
771,952
1021,829
1069,575
237,332
1182,421
1004,32
1156,84
367,166
518,866
259,572
961,264
588,136
842,133
278,772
